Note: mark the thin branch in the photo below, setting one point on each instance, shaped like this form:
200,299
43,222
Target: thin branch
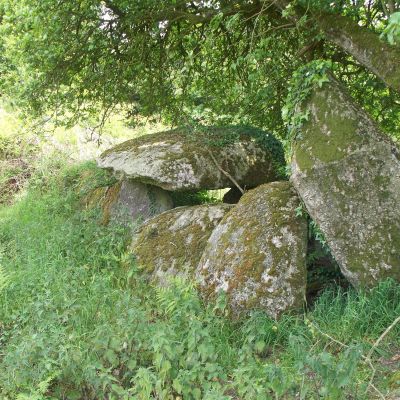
387,330
227,174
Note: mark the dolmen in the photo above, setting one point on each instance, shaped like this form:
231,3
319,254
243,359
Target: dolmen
252,247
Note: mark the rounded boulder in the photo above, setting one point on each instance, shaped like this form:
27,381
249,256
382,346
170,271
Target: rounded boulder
257,254
172,243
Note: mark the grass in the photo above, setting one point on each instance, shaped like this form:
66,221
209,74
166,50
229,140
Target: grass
78,321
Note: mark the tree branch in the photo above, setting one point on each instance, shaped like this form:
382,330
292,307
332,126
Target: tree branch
228,175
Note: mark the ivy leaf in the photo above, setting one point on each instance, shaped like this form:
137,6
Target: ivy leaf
321,80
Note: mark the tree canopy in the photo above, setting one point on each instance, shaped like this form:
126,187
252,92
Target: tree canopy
195,61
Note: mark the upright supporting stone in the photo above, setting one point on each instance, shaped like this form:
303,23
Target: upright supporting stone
348,175
130,203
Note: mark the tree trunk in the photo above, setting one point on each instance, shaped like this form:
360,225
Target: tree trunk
365,46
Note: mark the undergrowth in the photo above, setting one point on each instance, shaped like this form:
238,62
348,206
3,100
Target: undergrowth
77,321
16,155
194,198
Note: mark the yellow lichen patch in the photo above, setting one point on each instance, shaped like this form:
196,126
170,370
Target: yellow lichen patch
94,198
103,198
110,197
129,203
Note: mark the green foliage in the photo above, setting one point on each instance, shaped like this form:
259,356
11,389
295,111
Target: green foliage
210,63
392,31
78,320
186,70
224,135
335,373
313,229
304,80
17,150
213,62
192,198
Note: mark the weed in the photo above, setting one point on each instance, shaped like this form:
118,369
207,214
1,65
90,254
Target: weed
78,321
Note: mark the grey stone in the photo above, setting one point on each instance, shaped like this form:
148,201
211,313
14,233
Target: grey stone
178,161
172,243
348,175
130,203
257,254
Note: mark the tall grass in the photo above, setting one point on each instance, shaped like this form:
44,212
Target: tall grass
78,321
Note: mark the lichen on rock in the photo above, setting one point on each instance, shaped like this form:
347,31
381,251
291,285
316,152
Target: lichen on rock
129,203
180,160
348,176
257,253
172,243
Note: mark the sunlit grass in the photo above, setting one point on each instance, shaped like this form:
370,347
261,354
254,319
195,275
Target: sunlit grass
78,320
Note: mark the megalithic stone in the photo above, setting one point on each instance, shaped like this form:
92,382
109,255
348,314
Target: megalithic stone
257,253
348,175
172,243
182,160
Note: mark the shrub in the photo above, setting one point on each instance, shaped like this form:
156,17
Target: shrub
78,321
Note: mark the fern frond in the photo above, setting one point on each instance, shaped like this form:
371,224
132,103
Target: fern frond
166,300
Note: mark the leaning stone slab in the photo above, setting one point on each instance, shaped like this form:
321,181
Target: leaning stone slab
348,175
257,254
181,160
130,203
172,243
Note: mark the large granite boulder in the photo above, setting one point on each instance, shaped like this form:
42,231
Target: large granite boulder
348,175
172,243
257,254
130,203
181,160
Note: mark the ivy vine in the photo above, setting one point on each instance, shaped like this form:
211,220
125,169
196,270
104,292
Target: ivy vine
304,80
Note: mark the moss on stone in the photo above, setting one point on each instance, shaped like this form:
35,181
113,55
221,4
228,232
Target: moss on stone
110,198
328,142
184,159
128,202
173,242
352,192
257,253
